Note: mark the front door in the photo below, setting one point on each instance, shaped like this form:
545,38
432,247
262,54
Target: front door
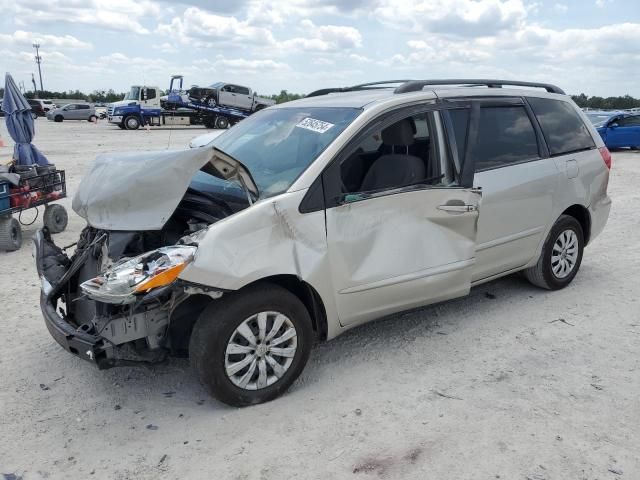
228,96
397,246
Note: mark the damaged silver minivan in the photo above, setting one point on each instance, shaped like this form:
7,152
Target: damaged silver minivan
314,216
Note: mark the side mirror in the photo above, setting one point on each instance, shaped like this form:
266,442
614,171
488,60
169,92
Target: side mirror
613,125
144,94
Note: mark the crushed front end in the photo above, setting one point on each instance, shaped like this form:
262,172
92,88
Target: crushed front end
112,312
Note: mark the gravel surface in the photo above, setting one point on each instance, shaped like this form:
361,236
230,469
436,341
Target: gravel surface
511,382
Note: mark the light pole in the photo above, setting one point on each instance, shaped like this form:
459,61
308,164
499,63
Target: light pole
38,60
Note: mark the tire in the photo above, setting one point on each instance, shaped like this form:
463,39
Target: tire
217,327
131,122
93,119
544,274
10,234
55,218
58,118
121,126
222,122
34,115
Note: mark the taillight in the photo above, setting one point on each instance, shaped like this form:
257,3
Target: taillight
606,156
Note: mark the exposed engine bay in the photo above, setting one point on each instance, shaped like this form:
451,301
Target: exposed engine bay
120,288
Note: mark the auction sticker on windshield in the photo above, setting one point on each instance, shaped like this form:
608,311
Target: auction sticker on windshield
314,125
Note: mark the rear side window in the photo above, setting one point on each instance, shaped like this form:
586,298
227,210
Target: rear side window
505,136
563,129
83,107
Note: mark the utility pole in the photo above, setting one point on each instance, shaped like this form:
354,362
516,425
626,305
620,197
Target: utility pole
38,60
35,89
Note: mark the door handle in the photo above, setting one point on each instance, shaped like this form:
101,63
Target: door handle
458,208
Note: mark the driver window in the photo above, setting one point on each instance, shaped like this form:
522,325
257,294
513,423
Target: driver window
397,155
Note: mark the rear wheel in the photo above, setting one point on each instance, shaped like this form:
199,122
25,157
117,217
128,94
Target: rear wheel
132,122
561,255
249,347
10,234
222,122
93,119
55,218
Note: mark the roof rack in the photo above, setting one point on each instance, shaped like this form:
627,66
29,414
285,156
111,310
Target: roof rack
417,85
362,86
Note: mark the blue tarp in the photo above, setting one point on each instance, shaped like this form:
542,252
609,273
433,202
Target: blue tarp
17,112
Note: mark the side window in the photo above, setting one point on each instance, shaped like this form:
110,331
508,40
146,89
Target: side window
151,93
396,155
629,121
72,107
562,127
505,136
242,90
83,107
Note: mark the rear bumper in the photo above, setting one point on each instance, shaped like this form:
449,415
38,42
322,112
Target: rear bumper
599,211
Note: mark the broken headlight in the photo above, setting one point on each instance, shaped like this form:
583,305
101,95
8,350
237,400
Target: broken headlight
122,282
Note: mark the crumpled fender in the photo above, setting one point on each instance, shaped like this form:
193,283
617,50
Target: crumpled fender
269,238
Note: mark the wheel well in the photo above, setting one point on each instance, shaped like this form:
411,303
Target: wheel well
185,315
308,296
581,214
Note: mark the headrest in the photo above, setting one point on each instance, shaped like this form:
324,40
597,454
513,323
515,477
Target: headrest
400,133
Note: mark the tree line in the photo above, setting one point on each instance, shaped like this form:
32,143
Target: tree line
608,103
108,96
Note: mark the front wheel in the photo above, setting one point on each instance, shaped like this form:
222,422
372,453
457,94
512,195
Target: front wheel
250,346
58,118
55,218
561,255
132,122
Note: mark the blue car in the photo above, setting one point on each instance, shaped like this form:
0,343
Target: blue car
620,130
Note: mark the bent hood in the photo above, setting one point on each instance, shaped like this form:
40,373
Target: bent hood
141,190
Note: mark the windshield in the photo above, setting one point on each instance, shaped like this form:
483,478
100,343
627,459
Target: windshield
277,145
598,119
133,94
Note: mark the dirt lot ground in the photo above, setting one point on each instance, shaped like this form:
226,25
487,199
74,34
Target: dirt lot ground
485,387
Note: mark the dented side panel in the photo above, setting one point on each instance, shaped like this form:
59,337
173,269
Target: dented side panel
401,250
269,238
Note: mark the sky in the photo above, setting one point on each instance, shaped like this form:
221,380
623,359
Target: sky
588,46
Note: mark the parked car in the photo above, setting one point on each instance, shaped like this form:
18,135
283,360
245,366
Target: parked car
73,111
620,131
313,217
45,104
36,108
